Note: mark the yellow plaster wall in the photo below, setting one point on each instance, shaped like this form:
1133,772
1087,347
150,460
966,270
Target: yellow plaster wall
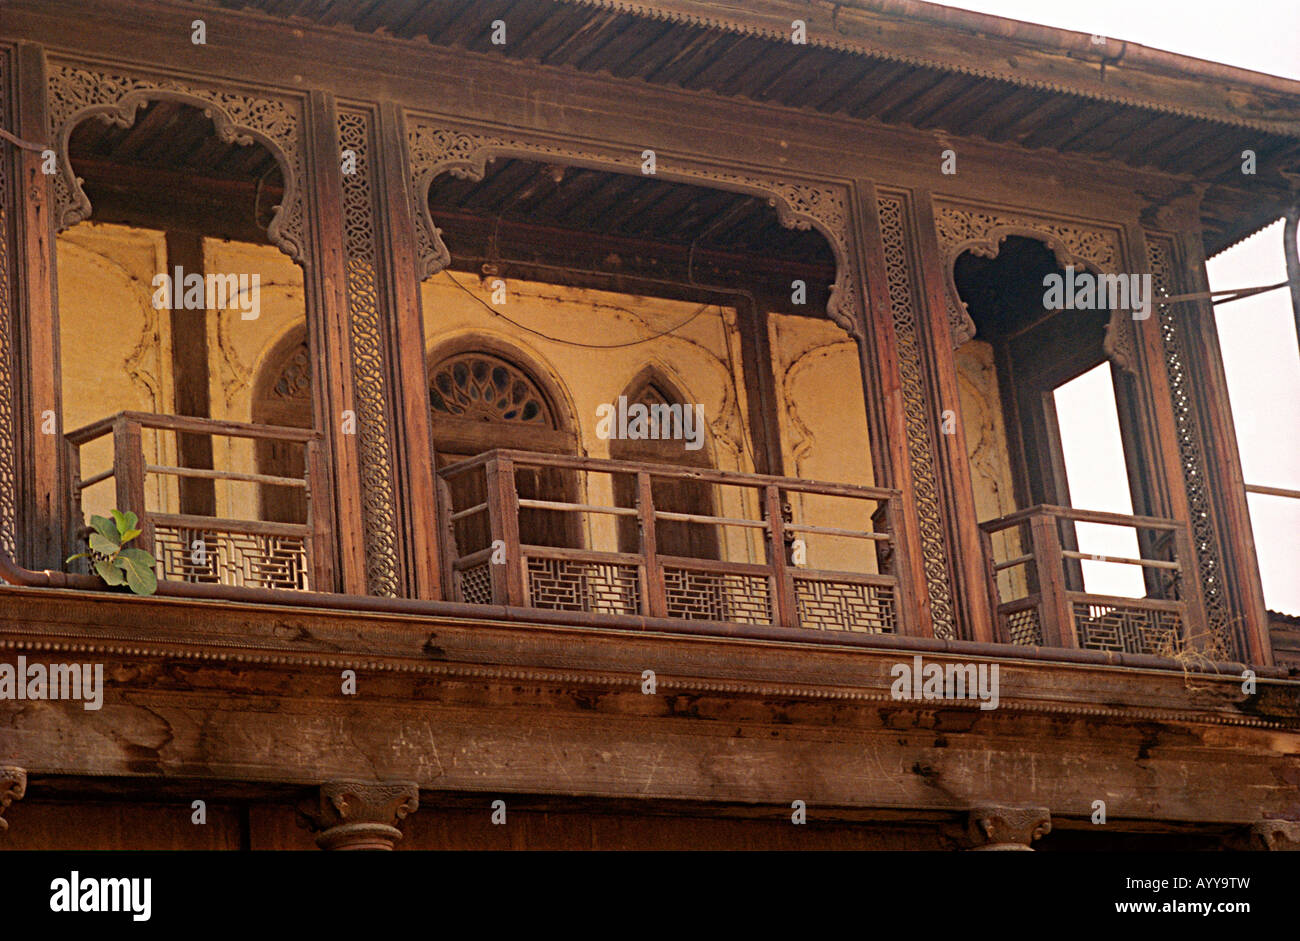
986,447
115,348
823,422
701,358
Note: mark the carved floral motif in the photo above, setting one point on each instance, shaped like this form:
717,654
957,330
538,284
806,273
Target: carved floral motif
798,204
982,231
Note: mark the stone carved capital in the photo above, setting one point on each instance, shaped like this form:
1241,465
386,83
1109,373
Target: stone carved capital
999,827
1278,836
359,815
13,785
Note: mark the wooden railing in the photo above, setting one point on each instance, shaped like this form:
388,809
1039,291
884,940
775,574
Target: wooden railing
1035,562
762,572
192,547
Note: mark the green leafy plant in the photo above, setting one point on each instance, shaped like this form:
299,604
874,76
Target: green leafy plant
116,563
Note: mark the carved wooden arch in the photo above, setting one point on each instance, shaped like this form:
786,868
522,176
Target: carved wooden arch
77,93
799,204
982,231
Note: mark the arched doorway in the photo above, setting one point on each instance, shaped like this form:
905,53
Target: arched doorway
483,397
673,538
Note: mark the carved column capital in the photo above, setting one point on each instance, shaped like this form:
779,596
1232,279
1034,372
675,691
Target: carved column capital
13,785
1277,836
999,827
359,815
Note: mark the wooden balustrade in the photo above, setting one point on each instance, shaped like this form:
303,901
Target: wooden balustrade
769,588
1051,607
192,547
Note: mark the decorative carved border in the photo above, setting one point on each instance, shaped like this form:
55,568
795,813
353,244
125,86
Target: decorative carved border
916,409
76,92
361,256
799,204
8,413
982,230
1160,254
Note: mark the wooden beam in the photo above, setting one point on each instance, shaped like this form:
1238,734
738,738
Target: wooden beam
190,376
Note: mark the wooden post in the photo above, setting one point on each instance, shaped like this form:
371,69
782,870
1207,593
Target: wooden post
786,615
128,476
995,595
503,504
42,493
886,418
1056,615
653,602
330,341
321,562
412,441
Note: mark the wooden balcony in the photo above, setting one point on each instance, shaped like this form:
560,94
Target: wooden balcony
1036,577
239,549
580,534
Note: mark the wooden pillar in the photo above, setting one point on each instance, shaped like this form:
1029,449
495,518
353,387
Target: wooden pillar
413,444
975,608
1225,482
882,378
325,283
756,367
42,498
190,377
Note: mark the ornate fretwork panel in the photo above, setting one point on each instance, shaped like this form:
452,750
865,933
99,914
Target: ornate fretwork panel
698,595
569,585
798,204
249,560
1126,628
77,92
8,415
830,605
920,439
368,365
1160,251
981,231
483,387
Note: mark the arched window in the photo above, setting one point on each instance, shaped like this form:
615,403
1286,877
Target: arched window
673,538
282,396
481,399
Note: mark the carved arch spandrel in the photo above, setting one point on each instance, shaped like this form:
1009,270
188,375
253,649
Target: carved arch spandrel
981,231
79,92
799,204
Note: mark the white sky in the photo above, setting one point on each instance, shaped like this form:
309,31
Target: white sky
1257,335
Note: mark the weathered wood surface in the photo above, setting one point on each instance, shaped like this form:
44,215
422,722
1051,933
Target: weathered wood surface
517,709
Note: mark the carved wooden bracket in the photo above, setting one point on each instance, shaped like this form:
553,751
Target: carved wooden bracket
997,827
77,92
13,785
799,204
358,815
982,231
